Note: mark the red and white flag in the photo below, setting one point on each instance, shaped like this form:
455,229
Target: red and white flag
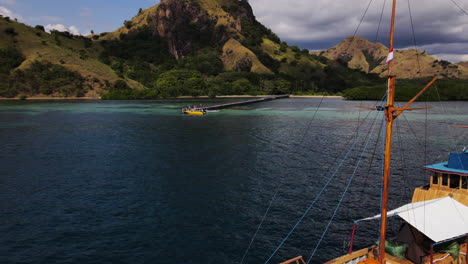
390,56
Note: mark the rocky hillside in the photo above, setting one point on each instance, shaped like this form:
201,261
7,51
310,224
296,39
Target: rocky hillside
188,25
370,57
177,47
463,64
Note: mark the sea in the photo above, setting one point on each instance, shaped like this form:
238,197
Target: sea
138,182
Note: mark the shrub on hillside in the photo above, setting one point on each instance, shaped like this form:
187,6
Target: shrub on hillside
10,59
40,27
10,31
46,78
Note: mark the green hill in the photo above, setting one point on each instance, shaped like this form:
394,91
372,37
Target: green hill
178,47
74,53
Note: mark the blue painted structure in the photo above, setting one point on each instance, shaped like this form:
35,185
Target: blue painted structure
457,164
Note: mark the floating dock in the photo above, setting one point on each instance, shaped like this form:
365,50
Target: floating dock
247,102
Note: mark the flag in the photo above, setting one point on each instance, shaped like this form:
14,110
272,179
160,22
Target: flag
390,56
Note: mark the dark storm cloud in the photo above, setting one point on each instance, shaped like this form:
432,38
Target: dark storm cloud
441,28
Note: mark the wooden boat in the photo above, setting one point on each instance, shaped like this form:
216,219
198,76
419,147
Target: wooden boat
447,220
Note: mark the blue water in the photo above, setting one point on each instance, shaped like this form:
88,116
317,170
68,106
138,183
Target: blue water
136,182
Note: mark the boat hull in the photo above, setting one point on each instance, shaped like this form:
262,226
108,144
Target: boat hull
199,113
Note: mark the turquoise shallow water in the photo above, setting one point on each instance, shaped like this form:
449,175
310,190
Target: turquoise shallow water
136,182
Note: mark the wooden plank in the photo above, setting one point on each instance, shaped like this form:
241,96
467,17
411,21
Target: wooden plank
435,192
349,257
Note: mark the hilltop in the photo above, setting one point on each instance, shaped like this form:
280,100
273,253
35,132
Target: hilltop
370,57
177,47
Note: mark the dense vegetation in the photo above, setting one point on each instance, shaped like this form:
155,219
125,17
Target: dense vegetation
444,89
139,65
41,77
144,57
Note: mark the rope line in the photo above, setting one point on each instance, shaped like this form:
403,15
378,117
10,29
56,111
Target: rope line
364,187
380,21
278,187
463,10
359,25
315,200
414,38
356,137
346,189
261,223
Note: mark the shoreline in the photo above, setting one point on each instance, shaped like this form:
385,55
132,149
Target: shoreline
259,96
49,98
179,97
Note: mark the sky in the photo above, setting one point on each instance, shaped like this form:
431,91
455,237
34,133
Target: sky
440,26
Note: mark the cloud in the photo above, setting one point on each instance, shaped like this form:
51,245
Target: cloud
321,24
59,27
8,13
74,30
452,57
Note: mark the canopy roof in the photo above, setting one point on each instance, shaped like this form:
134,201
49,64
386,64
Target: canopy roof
440,219
457,164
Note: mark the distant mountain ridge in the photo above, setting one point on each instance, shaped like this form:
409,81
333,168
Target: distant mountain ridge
370,57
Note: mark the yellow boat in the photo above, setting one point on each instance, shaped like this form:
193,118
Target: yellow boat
194,112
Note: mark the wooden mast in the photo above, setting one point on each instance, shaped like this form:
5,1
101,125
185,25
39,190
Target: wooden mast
391,113
389,116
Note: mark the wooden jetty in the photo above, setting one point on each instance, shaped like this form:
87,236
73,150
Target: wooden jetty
259,100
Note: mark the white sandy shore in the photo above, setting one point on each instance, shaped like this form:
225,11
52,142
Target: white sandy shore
180,97
260,96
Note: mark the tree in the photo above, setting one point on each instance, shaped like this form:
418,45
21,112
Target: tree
10,31
281,86
128,24
178,82
92,32
241,86
120,85
40,27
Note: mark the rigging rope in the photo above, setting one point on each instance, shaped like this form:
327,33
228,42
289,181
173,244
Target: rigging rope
365,187
380,21
315,200
346,189
359,25
414,38
403,161
323,188
463,10
279,185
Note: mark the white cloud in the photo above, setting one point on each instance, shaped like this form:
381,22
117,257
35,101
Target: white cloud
8,13
452,57
321,24
60,27
74,30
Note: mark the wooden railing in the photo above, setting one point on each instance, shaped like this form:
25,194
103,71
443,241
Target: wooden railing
297,260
